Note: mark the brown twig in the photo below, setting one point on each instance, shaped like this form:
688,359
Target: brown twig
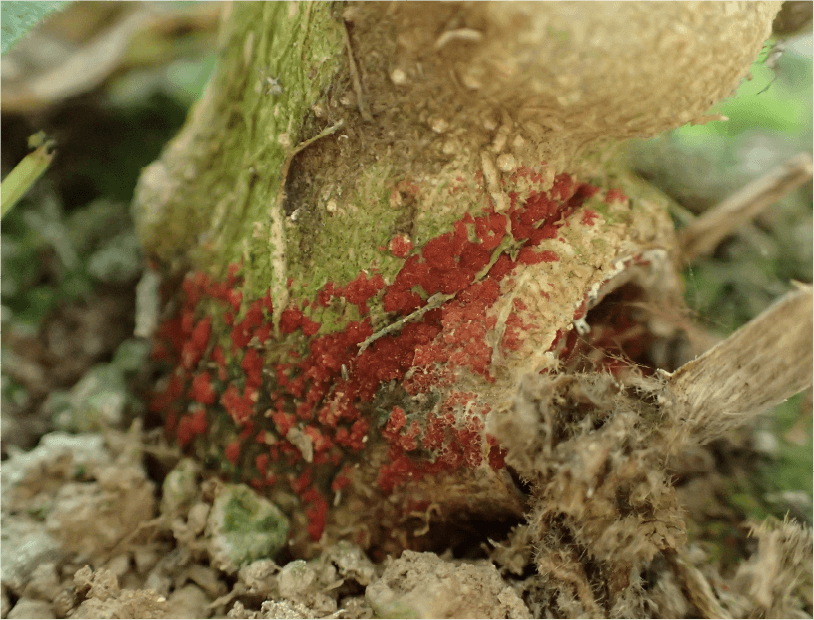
702,235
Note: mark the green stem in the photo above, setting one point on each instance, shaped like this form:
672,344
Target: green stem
24,175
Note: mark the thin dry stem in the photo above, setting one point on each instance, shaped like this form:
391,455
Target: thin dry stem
703,235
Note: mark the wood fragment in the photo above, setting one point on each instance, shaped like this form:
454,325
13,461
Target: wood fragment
703,235
764,363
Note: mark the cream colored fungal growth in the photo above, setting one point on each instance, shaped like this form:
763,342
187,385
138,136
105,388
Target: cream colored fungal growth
577,71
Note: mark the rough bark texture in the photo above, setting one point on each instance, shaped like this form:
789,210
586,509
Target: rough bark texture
389,214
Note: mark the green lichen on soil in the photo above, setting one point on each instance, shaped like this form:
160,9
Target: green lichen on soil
253,527
239,511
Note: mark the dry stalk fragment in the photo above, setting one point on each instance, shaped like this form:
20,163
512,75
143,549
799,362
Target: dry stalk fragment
702,235
762,364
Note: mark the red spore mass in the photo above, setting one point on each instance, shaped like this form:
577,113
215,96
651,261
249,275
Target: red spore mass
527,256
615,195
290,320
239,408
589,217
202,389
400,246
190,426
194,347
325,386
232,452
252,365
360,290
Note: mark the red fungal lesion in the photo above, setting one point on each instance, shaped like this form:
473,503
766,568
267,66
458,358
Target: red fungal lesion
191,425
325,388
360,290
453,443
400,246
513,336
615,195
588,217
202,390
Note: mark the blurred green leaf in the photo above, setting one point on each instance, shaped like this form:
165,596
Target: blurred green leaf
132,355
774,98
118,261
190,77
20,17
23,176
